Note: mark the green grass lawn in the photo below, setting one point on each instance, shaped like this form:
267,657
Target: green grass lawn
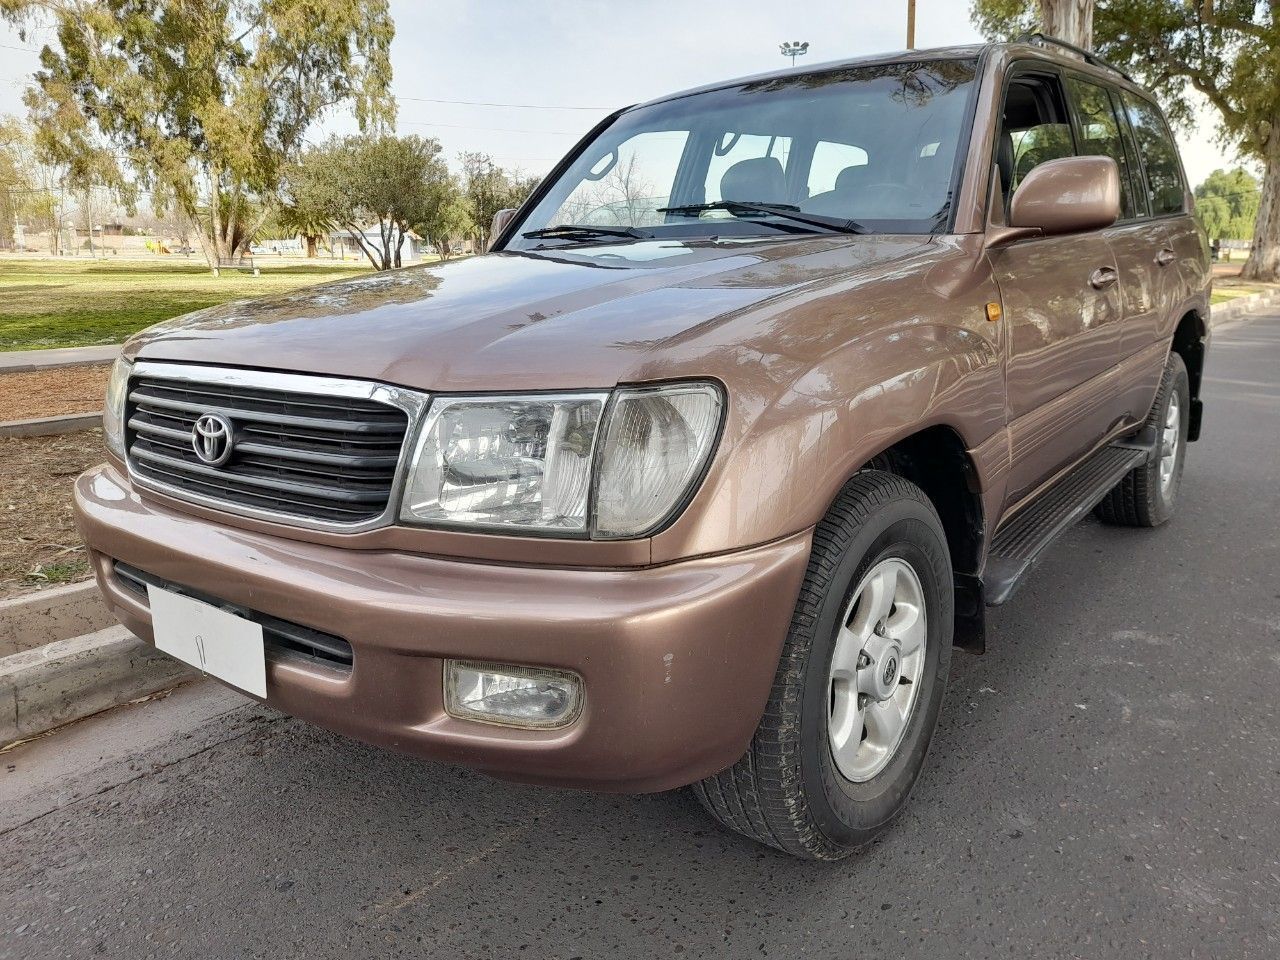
77,303
1226,294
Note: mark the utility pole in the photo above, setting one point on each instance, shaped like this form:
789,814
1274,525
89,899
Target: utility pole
911,24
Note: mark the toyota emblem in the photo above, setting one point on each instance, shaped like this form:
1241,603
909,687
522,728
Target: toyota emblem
211,438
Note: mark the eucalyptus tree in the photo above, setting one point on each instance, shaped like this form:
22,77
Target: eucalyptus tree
203,102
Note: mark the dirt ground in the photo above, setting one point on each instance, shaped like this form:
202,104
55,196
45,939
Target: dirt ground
52,393
39,545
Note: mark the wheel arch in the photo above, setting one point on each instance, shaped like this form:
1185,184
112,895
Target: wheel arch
1190,342
937,460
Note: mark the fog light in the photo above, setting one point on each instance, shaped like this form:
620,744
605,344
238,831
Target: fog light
519,696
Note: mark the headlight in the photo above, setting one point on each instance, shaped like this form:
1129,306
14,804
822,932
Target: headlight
113,407
655,447
537,463
505,461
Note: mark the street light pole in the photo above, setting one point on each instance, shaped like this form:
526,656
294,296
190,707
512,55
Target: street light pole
911,24
793,49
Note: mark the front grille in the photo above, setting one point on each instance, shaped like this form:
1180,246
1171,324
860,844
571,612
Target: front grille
280,637
313,456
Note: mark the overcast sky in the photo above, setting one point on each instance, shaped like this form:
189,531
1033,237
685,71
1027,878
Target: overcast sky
596,55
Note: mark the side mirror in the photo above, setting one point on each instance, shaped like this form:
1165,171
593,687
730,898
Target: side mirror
500,221
1067,196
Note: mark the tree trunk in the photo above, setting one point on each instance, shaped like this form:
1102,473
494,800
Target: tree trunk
1069,20
311,247
1264,259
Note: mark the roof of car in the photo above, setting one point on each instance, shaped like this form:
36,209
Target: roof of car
1047,49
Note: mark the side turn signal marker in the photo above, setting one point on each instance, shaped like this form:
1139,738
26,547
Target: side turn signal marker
993,311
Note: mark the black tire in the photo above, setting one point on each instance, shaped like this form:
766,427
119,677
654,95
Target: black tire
787,791
1140,499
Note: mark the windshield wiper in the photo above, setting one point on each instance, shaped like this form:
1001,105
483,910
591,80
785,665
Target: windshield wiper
571,231
784,210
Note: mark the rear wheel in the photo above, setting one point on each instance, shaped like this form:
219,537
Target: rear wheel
860,682
1148,493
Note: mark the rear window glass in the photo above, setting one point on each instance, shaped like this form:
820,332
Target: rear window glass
1100,135
1159,156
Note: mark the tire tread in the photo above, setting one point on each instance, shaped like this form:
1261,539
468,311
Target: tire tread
1133,502
761,795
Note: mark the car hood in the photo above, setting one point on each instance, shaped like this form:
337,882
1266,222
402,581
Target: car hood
543,320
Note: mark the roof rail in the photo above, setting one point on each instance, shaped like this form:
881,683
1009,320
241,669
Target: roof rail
1093,58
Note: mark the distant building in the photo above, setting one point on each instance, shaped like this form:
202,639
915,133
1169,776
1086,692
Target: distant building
342,245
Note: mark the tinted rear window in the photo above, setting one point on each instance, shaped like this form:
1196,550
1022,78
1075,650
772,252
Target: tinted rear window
1100,134
1159,155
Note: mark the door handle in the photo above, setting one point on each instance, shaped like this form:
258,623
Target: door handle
1166,257
1103,277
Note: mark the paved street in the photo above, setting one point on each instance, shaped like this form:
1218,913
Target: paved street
1104,783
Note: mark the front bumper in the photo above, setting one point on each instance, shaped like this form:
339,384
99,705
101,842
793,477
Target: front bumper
676,660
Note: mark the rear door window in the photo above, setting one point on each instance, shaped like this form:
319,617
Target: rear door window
1159,155
1100,135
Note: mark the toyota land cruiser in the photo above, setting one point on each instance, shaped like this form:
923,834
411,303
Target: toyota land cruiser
698,475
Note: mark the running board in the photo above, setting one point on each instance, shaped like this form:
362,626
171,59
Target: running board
1019,544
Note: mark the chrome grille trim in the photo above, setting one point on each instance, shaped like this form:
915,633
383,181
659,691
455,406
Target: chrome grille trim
286,457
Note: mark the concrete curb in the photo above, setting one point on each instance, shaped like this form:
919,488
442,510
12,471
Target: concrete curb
57,613
50,426
70,679
22,361
1243,307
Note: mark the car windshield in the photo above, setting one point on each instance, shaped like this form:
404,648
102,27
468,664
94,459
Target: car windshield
859,149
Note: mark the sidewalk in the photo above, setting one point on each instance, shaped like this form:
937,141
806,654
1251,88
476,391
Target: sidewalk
17,360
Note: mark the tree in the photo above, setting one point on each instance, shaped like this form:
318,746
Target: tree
36,187
310,224
447,217
488,189
376,188
1227,51
14,185
1070,20
203,101
1227,203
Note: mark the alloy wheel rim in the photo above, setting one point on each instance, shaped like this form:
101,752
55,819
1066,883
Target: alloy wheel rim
876,668
1170,436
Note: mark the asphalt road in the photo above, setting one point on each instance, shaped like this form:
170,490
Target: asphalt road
1103,783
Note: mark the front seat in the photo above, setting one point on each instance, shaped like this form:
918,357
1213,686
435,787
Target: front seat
758,180
1004,162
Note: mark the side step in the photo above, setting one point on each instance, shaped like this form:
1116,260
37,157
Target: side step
1020,543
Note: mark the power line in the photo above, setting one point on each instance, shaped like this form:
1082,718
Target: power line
464,126
518,106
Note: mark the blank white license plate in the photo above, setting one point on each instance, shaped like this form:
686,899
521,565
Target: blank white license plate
214,641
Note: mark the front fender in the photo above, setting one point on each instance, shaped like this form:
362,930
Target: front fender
785,455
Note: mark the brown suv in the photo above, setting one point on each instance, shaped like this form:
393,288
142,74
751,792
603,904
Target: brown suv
696,477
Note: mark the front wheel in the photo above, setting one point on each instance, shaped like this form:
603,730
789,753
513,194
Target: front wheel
860,682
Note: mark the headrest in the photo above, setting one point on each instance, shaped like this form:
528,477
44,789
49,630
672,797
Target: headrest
850,177
1004,160
759,179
